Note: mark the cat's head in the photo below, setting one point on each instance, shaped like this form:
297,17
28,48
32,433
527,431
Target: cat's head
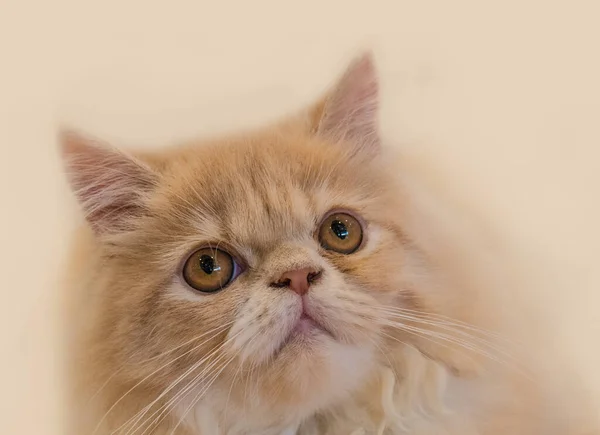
261,265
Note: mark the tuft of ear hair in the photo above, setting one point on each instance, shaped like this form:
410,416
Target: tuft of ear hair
110,185
349,113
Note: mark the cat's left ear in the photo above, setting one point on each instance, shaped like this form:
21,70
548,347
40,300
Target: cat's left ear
349,113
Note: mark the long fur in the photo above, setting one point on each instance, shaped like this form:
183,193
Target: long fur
411,347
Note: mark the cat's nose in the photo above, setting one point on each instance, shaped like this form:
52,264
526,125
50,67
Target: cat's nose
298,280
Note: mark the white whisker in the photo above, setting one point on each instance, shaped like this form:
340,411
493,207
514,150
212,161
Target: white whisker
430,335
446,320
165,408
201,394
447,327
218,329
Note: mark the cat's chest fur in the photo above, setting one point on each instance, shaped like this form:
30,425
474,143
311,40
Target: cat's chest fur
460,407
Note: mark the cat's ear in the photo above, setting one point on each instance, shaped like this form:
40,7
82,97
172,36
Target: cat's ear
110,185
349,113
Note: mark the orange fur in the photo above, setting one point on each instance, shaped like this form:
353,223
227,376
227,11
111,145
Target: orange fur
139,328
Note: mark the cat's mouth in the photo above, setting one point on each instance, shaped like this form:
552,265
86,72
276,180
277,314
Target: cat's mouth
306,332
306,324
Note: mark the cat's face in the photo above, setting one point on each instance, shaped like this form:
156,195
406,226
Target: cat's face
257,267
241,244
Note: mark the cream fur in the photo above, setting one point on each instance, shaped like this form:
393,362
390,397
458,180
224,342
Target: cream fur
137,329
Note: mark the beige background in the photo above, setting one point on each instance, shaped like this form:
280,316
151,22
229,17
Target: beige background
502,96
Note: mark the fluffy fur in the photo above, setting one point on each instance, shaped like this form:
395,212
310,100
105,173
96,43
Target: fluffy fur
405,349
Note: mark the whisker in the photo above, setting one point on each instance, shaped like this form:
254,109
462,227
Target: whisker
179,395
450,328
160,355
426,338
241,371
248,377
140,414
468,340
165,408
218,329
237,372
423,333
201,394
446,319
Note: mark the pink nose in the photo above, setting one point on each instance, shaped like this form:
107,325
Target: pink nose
298,280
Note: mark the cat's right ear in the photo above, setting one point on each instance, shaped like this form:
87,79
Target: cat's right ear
110,185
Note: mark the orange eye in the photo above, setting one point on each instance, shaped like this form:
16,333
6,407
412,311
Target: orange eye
209,270
341,232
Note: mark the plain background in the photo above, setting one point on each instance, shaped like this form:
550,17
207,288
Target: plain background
502,96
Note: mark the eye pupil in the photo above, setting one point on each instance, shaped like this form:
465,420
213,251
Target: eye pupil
339,229
207,264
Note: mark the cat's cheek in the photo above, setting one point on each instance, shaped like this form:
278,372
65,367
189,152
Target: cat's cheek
344,309
381,270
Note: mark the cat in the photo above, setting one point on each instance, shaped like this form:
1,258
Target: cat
276,281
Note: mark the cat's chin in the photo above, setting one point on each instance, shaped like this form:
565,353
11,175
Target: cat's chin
315,367
312,371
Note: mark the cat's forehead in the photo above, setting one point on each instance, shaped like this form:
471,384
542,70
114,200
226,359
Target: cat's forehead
255,192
